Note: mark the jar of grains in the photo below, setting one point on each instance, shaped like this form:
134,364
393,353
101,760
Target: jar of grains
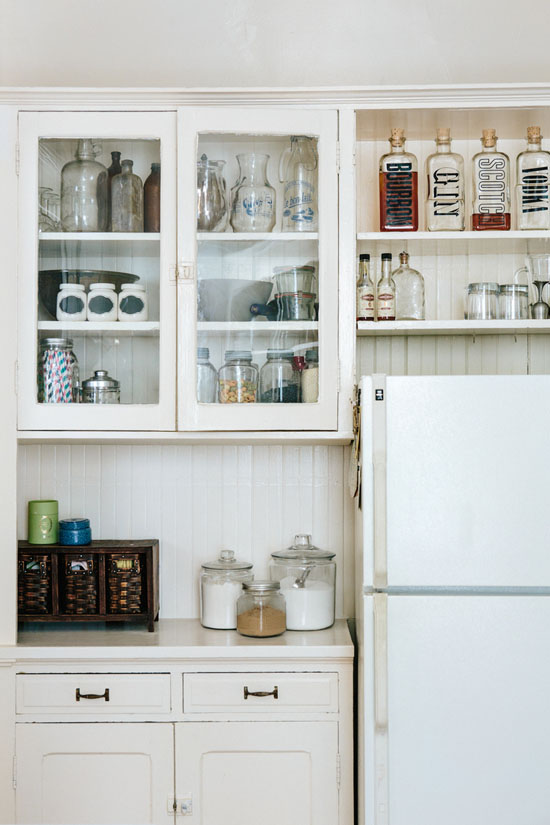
238,378
261,609
221,585
310,377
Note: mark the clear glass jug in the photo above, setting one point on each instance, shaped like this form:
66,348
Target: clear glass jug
252,197
127,200
298,171
84,188
538,277
211,195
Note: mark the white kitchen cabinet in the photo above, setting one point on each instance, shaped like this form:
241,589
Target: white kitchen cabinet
242,773
94,774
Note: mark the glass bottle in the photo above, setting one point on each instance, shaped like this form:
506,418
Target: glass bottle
221,585
398,187
211,195
279,381
114,169
445,200
366,290
207,377
127,200
298,172
84,192
385,292
261,610
533,183
491,185
310,377
409,292
253,197
151,200
238,378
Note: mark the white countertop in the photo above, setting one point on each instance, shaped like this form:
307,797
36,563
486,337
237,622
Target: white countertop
175,639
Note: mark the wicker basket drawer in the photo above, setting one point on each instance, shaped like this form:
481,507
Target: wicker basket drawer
93,693
257,692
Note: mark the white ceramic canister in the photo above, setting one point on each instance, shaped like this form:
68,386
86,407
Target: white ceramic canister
71,303
221,585
102,303
132,303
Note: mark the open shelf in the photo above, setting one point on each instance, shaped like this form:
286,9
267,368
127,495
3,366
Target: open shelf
529,327
99,236
257,236
466,235
256,326
114,328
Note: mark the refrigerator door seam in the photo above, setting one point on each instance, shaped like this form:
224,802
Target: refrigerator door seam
379,460
381,789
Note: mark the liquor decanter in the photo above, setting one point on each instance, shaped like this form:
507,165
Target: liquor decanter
398,187
533,183
491,185
445,199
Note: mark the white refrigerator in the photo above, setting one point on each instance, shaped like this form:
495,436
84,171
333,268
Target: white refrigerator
453,601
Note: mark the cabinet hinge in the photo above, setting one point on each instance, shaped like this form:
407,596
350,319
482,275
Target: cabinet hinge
338,771
14,772
17,159
337,157
183,272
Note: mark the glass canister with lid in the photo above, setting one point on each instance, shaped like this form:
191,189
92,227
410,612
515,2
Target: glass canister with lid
101,389
261,609
238,378
221,585
307,577
279,381
58,373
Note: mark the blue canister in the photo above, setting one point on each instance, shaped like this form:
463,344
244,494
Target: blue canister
74,531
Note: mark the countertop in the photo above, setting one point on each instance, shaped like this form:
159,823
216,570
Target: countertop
175,639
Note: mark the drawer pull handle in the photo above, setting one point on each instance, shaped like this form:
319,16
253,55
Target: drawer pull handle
80,695
274,692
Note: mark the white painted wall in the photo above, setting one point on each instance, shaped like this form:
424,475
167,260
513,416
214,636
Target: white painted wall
260,43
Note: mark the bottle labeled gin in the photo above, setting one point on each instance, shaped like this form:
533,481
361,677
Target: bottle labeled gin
398,187
491,185
533,183
445,173
366,290
385,292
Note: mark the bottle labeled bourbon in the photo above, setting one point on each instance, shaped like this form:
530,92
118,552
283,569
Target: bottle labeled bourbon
398,187
533,183
491,185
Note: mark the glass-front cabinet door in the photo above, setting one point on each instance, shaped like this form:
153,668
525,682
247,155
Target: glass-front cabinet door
257,269
97,256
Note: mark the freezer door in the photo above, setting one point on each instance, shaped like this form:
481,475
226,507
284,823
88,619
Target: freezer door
467,681
467,481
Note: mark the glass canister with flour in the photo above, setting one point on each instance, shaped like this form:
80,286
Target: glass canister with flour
307,576
221,586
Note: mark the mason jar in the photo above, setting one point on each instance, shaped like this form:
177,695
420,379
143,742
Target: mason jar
58,373
261,609
238,378
207,377
279,381
221,585
307,578
101,389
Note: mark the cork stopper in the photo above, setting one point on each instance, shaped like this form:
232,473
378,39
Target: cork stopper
533,134
443,136
403,258
397,137
489,137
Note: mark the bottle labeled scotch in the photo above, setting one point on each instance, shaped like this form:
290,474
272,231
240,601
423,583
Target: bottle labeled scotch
533,183
366,290
491,185
445,173
385,292
398,187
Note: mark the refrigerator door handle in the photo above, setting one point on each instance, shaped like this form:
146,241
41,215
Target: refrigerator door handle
379,458
381,789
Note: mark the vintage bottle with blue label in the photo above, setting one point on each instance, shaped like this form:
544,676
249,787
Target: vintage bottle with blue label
298,172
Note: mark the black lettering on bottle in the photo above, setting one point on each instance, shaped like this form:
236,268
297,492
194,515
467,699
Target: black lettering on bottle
491,185
534,189
399,193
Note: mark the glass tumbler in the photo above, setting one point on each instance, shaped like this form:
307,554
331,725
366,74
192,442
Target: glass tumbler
514,302
482,302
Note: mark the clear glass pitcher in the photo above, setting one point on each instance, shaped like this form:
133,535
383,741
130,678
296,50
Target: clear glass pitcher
211,195
84,189
538,277
298,171
252,197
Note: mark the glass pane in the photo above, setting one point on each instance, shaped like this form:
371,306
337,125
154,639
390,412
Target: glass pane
98,271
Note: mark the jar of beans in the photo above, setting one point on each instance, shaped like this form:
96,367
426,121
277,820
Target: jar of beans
238,378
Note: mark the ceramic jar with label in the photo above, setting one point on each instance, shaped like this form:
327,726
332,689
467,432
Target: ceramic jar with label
43,521
71,303
102,303
221,585
132,303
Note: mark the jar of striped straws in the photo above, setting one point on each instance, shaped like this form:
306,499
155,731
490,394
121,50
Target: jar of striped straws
58,374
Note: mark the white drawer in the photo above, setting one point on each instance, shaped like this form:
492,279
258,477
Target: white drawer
234,692
93,693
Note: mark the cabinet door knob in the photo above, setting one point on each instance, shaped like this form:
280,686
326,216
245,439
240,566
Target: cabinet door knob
274,692
80,695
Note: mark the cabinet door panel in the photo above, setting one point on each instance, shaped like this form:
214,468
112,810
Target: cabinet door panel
242,773
105,774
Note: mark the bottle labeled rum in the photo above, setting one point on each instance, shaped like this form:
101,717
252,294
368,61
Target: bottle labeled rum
533,183
385,292
366,291
445,173
398,187
491,185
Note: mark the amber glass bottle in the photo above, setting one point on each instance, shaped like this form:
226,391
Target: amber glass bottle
151,200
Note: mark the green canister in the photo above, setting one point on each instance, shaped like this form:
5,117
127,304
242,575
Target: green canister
43,522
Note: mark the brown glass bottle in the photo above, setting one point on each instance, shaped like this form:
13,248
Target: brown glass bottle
114,169
398,187
151,200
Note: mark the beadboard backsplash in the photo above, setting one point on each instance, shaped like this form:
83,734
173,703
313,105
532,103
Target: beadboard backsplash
198,500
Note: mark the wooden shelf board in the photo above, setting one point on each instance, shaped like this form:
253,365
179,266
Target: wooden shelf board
257,236
529,327
112,328
454,236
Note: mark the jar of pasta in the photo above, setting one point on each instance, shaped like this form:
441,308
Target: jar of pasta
238,378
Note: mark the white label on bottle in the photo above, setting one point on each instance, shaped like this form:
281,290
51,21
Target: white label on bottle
386,306
365,304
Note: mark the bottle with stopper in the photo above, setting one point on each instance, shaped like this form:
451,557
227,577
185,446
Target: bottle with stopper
491,186
398,179
409,291
445,174
533,183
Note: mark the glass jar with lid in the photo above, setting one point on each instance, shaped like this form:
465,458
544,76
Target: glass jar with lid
261,609
207,377
238,378
307,577
310,377
221,585
101,389
58,373
279,381
482,301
